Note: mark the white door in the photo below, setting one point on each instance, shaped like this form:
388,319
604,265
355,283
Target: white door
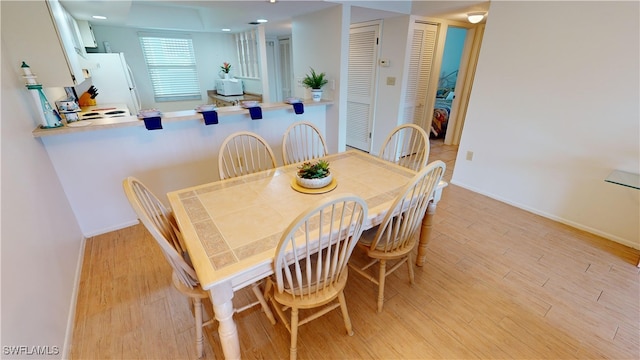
363,60
419,73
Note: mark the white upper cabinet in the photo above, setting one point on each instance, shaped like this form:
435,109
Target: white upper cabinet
46,37
86,34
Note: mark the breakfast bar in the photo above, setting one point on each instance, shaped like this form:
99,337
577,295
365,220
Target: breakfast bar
92,160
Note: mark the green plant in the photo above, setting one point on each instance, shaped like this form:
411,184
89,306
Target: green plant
315,80
226,67
317,170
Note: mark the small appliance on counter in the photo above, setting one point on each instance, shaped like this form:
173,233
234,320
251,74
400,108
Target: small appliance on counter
69,109
229,87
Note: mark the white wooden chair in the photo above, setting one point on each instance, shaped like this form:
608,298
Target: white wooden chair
397,235
162,226
243,153
407,145
302,141
310,265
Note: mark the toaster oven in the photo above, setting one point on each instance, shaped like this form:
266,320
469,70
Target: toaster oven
229,87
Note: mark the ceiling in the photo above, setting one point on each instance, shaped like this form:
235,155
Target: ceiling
212,16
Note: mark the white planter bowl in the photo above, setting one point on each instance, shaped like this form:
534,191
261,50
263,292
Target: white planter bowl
314,183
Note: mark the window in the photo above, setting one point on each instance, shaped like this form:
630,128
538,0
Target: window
247,46
172,67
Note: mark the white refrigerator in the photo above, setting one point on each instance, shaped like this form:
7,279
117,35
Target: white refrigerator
111,75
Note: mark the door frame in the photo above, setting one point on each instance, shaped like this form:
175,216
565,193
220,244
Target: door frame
466,75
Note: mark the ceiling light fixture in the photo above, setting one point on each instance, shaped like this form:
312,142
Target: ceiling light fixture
261,21
272,1
226,30
476,17
99,17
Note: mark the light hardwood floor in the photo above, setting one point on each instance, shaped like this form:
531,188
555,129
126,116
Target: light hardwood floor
499,282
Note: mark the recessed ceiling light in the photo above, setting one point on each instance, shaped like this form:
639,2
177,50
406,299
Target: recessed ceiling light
100,17
225,29
261,21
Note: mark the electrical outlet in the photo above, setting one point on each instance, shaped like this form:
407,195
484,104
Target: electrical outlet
469,155
391,80
299,82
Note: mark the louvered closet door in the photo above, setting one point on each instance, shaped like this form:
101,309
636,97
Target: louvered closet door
363,57
286,75
420,65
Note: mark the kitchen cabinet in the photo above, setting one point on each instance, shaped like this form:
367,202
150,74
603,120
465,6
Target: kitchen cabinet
86,34
45,36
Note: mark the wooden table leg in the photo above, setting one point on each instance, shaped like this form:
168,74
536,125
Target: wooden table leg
427,224
425,233
222,299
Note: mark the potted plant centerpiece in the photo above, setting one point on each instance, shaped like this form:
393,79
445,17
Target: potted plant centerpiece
315,82
225,69
314,175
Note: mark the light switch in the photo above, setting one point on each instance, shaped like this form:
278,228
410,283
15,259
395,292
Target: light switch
391,80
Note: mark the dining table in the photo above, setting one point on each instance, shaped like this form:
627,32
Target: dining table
231,227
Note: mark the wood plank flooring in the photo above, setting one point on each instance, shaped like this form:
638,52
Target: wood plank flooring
499,282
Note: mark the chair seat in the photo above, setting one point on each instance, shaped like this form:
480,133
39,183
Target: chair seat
195,292
313,299
368,237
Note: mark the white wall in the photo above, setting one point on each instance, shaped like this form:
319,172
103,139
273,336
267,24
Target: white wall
41,241
91,165
393,43
211,51
554,109
317,42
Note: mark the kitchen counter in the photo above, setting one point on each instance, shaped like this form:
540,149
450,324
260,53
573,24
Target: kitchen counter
168,117
233,100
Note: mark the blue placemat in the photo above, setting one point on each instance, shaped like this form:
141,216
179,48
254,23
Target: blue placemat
255,112
153,123
210,117
298,108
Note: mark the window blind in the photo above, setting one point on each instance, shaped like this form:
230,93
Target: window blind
171,65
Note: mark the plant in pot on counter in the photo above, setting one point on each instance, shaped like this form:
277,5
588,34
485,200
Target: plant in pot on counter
314,175
225,69
315,82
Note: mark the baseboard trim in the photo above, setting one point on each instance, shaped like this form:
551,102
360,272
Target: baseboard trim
111,228
68,336
573,224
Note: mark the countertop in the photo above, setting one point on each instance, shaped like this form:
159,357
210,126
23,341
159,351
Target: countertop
167,117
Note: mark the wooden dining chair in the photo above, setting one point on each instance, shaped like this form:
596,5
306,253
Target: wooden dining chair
396,237
310,265
162,226
243,153
302,141
407,145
